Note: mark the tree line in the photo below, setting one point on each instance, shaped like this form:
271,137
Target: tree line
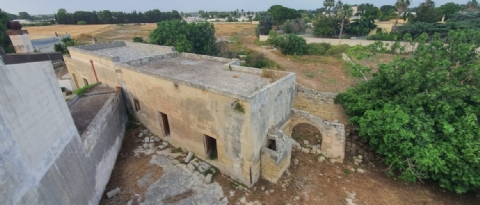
113,17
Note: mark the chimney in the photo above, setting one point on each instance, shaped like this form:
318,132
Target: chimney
20,39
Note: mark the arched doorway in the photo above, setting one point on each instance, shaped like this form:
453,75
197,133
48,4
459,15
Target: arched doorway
306,131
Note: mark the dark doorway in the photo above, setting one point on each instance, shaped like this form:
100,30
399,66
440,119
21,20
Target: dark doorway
211,144
137,104
271,144
85,82
164,122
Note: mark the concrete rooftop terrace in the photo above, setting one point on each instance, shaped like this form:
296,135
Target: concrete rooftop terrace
222,75
84,109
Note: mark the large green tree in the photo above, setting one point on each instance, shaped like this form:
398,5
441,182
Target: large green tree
4,39
421,112
281,14
196,38
265,23
449,9
427,13
344,12
324,26
329,4
369,11
402,6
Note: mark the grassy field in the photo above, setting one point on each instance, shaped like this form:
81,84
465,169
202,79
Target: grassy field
37,32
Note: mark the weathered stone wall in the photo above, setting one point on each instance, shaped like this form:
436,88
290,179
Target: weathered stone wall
193,113
333,133
271,107
319,104
44,160
275,162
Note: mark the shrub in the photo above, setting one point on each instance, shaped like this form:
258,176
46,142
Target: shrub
338,49
291,45
421,113
196,38
265,24
62,47
81,23
256,61
296,26
316,49
138,39
381,36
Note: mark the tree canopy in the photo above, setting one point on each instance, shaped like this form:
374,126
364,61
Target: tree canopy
196,38
265,24
449,9
4,39
281,14
421,112
113,17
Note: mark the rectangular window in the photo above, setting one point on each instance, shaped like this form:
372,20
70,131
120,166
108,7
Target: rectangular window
211,145
85,82
163,118
137,104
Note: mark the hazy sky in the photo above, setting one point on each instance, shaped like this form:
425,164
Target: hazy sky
51,6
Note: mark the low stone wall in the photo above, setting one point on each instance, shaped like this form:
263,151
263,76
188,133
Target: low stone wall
333,133
319,104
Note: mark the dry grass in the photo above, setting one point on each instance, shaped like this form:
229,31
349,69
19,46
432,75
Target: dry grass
38,32
233,29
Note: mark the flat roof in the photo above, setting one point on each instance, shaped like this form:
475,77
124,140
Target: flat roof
85,108
124,53
206,73
221,75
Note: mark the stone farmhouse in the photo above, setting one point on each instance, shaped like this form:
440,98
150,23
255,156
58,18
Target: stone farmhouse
236,118
229,115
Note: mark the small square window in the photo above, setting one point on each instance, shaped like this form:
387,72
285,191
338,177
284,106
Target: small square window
137,104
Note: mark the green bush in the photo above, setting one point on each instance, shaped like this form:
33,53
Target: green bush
292,45
62,47
138,39
256,60
316,49
381,36
81,23
421,112
196,38
338,49
295,26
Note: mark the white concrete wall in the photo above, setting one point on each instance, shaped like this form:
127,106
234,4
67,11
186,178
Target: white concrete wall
66,84
350,42
35,126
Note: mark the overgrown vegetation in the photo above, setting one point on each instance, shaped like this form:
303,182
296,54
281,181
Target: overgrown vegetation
4,39
62,47
421,112
265,24
81,91
295,26
81,23
239,107
138,39
113,17
196,38
296,45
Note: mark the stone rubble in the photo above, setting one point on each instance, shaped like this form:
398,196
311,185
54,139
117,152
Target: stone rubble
189,157
305,142
208,178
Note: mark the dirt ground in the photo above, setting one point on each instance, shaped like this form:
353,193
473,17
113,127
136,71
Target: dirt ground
305,182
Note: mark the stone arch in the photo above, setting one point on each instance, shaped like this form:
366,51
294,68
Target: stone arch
333,133
306,131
